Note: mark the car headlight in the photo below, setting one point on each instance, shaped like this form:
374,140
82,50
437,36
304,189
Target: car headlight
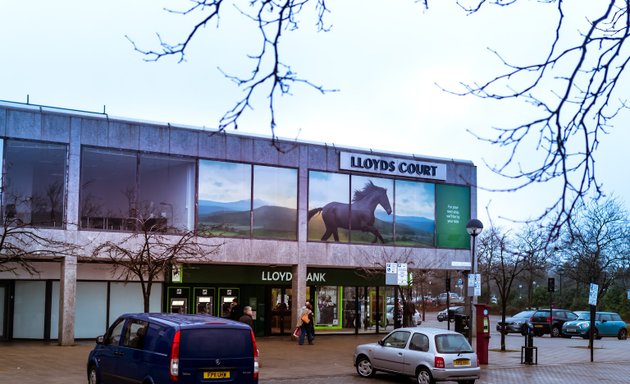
583,325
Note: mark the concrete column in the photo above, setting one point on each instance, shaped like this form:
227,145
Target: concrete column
298,286
67,300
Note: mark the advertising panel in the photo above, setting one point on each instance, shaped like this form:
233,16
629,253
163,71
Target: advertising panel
452,212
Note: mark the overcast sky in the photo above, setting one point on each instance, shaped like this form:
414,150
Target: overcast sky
384,60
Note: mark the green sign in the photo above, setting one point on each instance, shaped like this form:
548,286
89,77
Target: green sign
452,212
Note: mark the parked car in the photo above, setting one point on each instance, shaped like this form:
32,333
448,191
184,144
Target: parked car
428,354
606,324
453,298
443,314
167,347
542,325
389,316
516,323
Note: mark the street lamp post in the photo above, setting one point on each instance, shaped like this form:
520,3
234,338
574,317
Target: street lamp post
474,228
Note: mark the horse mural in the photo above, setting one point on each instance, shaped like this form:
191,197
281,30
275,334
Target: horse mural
357,215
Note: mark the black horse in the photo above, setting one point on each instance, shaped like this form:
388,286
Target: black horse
357,215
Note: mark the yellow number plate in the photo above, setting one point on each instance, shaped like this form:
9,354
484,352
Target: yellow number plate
461,363
216,375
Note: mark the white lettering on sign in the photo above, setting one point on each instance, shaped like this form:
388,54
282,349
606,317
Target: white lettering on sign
319,277
391,166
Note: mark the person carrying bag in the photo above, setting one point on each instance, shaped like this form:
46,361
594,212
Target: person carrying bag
305,325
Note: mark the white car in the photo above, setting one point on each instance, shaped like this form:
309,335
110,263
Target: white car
428,354
389,316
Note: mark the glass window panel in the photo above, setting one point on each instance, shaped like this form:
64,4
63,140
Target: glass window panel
3,293
28,316
91,310
224,198
275,203
327,310
415,213
371,209
328,199
349,308
167,191
108,184
35,182
127,298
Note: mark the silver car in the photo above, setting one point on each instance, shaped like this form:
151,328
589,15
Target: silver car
428,354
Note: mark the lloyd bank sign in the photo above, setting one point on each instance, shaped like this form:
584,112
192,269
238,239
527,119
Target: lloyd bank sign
391,166
319,277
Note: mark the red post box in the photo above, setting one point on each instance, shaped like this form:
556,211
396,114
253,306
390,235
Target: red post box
482,321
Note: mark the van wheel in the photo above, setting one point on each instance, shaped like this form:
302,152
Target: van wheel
424,376
364,367
92,376
623,334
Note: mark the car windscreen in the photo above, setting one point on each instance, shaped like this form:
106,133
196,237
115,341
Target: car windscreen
215,342
452,343
584,316
524,314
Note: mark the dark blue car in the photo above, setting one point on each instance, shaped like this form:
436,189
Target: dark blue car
157,348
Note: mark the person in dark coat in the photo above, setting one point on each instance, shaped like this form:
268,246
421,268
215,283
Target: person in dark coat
247,316
235,310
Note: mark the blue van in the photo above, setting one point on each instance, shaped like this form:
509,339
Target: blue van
159,348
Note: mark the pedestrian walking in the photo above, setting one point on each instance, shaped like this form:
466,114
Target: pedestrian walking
305,323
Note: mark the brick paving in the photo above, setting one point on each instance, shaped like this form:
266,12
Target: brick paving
559,360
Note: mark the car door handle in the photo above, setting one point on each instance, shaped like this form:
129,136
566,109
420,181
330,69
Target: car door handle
118,353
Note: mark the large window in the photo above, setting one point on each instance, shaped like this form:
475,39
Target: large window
120,190
243,200
34,182
368,209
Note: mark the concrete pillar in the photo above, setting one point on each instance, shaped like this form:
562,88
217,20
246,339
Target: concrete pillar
67,300
298,286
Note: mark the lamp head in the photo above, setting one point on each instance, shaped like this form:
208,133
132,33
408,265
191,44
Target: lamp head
474,227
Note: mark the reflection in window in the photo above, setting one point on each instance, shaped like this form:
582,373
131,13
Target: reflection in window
108,189
167,191
224,198
371,210
129,191
275,203
34,183
328,193
415,213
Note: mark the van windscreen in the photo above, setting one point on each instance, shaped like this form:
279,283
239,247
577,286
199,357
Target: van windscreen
215,342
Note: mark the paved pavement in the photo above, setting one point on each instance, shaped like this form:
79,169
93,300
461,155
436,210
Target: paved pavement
283,360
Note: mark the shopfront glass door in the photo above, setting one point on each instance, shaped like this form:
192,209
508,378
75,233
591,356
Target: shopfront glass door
281,301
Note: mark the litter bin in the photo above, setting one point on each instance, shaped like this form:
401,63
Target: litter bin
529,353
462,324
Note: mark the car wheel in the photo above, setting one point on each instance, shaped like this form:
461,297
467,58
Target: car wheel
524,330
596,334
92,376
623,334
555,332
424,376
364,367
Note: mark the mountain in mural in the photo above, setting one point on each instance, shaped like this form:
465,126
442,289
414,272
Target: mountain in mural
209,206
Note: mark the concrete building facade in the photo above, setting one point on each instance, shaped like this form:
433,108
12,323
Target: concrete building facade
291,222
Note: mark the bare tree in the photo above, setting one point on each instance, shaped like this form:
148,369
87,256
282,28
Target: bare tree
596,249
576,90
575,86
149,253
21,244
530,243
502,265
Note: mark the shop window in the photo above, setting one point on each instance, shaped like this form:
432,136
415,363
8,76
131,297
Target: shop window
328,192
34,183
327,311
372,199
127,191
415,213
224,198
275,203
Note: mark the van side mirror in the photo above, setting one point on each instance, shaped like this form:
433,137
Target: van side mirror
99,340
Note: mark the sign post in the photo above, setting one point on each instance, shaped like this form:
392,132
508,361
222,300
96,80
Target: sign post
592,301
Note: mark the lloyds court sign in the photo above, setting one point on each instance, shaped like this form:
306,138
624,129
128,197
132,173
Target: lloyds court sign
360,162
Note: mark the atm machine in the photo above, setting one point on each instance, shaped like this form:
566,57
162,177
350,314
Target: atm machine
204,301
226,297
178,300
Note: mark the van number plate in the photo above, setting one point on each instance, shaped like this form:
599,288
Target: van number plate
216,375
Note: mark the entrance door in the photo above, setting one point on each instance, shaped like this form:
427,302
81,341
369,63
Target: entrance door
4,301
280,300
